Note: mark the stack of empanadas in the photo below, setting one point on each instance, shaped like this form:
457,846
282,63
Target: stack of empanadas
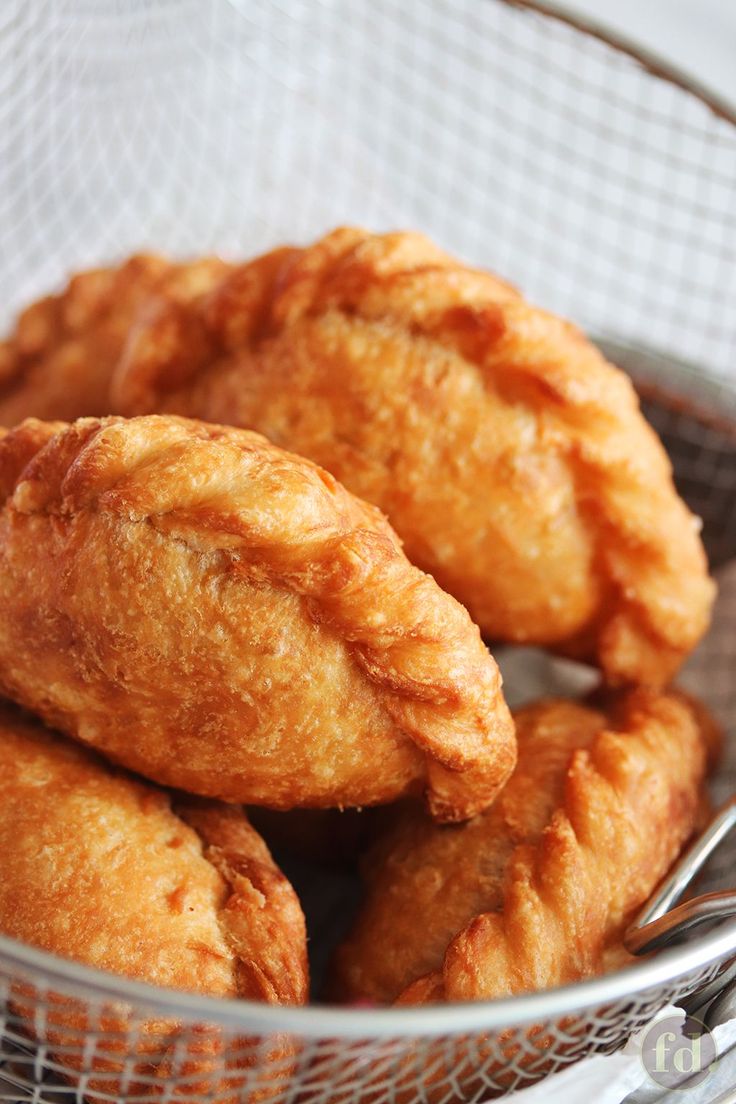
302,629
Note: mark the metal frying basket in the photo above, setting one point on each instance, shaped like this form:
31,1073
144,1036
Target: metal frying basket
595,177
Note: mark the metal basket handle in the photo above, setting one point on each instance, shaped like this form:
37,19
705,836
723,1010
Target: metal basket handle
659,923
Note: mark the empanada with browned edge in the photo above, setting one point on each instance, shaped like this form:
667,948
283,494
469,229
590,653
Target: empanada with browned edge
536,891
511,458
60,357
180,892
224,617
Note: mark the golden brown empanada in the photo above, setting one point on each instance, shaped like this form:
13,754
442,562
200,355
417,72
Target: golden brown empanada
180,892
535,892
222,616
59,360
511,458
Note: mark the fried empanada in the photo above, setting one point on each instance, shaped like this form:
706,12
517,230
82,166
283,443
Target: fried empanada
59,360
535,892
511,458
224,617
110,871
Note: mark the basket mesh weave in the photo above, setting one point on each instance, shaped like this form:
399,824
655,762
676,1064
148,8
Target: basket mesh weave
605,188
144,1057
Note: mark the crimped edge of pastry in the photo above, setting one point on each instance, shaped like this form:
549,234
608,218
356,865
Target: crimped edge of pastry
205,485
623,478
557,894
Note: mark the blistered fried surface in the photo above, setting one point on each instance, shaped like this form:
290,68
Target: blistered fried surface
224,617
511,458
104,869
535,892
58,361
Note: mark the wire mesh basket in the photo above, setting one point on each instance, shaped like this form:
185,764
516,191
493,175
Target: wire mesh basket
599,180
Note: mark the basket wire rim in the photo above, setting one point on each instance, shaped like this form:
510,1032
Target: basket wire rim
343,1021
655,63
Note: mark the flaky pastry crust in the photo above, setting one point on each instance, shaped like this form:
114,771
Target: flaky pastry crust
511,458
110,871
222,616
58,361
535,892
